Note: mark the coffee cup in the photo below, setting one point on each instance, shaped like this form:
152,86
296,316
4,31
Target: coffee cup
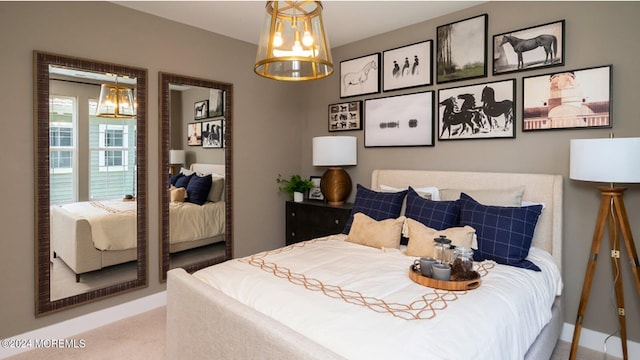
441,271
425,265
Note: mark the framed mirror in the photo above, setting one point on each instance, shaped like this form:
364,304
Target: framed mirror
196,137
90,180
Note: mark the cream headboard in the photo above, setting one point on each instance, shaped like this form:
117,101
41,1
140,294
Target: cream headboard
539,188
208,168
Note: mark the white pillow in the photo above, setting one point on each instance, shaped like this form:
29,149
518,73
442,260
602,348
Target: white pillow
186,172
427,192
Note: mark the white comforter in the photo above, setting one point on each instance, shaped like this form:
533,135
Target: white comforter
189,222
359,301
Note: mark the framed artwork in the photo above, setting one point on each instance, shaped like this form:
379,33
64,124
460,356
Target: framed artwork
315,193
216,103
360,76
201,109
462,50
345,116
194,134
575,99
481,111
212,134
528,49
401,120
407,66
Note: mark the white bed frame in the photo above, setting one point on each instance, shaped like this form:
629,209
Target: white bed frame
203,322
76,246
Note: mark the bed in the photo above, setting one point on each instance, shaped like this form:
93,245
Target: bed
92,235
335,298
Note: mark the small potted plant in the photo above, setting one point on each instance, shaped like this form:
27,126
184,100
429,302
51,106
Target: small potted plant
295,186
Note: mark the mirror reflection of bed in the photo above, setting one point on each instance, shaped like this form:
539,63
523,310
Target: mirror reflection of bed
196,214
93,228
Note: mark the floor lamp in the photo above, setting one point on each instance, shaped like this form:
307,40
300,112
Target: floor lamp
609,161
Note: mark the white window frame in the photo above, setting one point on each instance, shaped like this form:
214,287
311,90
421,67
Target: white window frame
103,147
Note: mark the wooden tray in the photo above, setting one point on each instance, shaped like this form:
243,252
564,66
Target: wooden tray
445,285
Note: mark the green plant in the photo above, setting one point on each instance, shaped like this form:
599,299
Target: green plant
294,184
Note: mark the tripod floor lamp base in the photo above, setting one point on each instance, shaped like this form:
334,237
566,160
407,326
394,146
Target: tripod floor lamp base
613,213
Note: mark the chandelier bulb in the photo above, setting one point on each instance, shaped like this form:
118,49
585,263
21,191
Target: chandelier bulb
307,39
277,39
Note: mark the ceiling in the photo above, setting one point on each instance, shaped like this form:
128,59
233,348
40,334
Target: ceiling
345,21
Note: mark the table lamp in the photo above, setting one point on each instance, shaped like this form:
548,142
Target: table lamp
176,157
611,161
334,152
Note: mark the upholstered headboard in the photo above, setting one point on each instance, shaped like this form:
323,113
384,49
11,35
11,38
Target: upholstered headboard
539,188
208,168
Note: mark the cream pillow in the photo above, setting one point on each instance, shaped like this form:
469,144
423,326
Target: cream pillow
379,234
495,197
421,237
217,185
427,192
177,194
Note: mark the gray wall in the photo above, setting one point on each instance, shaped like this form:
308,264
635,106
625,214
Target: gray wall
274,123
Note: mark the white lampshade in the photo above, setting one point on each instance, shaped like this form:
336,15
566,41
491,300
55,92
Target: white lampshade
176,157
613,160
335,151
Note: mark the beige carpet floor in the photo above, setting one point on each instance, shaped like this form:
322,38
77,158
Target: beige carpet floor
143,337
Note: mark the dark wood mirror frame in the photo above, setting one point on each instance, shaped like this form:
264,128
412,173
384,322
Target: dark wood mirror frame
165,80
41,61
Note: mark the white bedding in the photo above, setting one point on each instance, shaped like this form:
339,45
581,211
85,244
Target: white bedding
189,222
113,222
372,310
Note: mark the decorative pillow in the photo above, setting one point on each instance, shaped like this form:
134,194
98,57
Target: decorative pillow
183,181
421,237
376,205
198,189
377,234
186,172
174,178
504,233
497,197
177,194
438,215
217,185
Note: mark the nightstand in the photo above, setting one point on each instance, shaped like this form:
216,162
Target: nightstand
311,219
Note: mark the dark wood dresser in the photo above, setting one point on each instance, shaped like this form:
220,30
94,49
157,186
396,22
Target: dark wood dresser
311,219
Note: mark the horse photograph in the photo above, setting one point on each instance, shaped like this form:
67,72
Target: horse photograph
407,66
481,111
212,134
530,48
360,76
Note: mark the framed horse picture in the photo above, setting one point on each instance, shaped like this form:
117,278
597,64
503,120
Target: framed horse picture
571,99
345,116
360,76
528,49
407,66
201,109
462,50
212,134
481,111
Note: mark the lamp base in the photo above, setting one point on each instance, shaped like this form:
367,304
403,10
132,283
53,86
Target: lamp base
335,185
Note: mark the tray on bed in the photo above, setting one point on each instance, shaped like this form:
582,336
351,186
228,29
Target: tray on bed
453,284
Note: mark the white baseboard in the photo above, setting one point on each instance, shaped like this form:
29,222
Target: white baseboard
594,340
80,324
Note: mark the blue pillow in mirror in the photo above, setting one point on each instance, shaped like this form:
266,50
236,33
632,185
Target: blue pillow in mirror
198,189
174,178
183,181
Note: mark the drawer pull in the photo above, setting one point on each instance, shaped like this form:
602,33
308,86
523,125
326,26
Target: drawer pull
293,214
293,234
337,221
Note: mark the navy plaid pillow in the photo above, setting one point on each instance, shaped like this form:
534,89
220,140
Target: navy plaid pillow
437,215
504,233
174,178
376,205
198,189
183,181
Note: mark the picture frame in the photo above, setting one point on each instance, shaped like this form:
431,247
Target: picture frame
462,50
399,121
194,134
407,66
479,111
582,99
539,46
201,109
216,103
345,116
213,134
315,193
360,76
